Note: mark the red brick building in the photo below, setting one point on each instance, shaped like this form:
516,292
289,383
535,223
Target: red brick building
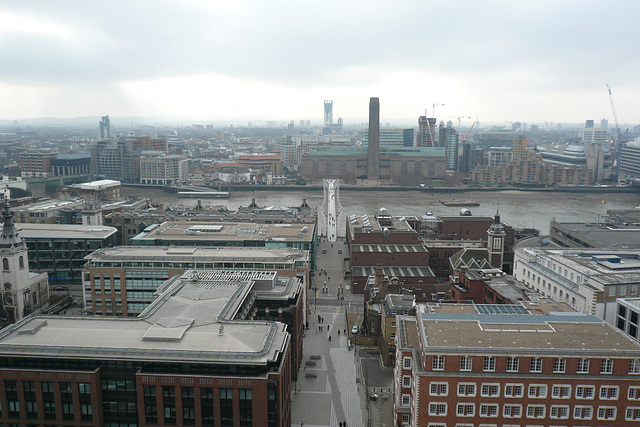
36,164
471,365
198,356
388,242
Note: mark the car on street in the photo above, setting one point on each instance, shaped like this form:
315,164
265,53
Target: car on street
354,330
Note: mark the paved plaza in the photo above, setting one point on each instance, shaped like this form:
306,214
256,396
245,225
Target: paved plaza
331,388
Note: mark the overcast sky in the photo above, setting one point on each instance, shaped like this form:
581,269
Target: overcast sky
501,61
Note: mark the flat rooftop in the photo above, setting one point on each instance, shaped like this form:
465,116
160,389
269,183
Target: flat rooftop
603,236
373,223
226,231
195,253
512,327
190,321
64,231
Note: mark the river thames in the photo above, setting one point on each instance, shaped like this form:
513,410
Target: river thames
518,208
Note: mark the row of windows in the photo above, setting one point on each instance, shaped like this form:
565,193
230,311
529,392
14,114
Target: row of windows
492,410
538,391
206,265
535,365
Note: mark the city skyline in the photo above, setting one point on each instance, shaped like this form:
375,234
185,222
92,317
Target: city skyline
499,61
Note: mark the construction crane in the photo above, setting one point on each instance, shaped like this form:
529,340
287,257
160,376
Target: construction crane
462,117
434,108
618,137
470,129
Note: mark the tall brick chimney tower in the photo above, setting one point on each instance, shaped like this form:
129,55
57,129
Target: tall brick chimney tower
373,152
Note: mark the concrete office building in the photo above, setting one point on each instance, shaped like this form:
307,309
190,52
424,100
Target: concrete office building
60,249
105,127
199,355
71,164
628,316
123,280
158,168
464,365
235,234
45,211
630,159
605,234
589,280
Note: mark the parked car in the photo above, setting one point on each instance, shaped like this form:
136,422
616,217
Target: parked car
354,330
60,288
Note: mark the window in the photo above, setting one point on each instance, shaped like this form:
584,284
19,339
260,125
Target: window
633,393
512,411
513,390
406,381
21,262
634,367
439,389
405,399
437,364
406,363
559,365
582,412
585,391
561,391
538,391
466,409
512,364
535,411
489,364
465,363
609,392
488,410
632,413
490,390
583,366
466,389
606,412
606,366
405,418
536,365
5,264
439,409
559,411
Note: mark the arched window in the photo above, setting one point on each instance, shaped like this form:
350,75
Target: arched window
5,264
21,262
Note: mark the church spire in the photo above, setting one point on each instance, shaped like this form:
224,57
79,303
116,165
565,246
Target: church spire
10,236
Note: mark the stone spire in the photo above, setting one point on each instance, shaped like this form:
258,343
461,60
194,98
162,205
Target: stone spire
497,227
10,238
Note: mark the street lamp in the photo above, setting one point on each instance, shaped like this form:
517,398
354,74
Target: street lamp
315,296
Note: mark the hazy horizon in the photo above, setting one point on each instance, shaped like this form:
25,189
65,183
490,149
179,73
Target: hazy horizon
500,61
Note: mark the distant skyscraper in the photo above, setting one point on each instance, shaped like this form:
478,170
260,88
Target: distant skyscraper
290,128
516,125
589,124
105,127
449,140
373,150
604,124
328,113
426,132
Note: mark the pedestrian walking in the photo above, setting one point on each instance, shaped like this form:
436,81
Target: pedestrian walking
338,332
329,337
